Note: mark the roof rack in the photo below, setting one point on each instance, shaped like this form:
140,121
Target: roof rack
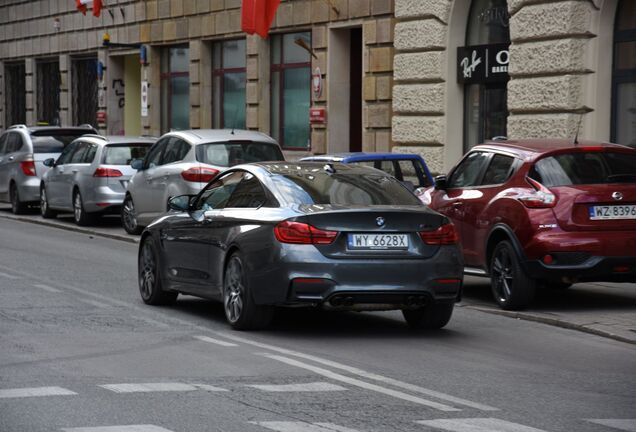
18,126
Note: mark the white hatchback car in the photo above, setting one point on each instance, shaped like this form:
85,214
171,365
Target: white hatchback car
182,163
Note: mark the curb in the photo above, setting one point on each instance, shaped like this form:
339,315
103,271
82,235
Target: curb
557,322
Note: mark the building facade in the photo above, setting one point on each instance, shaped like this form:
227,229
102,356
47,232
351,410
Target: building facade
429,76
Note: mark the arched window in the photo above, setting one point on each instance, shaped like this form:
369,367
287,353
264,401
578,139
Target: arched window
624,75
483,68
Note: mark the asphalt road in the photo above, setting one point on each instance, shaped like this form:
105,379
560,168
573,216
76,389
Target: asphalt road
80,352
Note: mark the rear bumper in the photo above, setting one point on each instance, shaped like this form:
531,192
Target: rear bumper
592,269
28,188
104,199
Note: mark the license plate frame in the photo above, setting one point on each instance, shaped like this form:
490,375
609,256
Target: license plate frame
612,212
378,241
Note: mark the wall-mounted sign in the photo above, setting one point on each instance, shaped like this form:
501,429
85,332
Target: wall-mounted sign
101,117
482,63
144,98
318,115
316,83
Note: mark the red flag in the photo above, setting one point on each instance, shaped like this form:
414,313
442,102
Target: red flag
97,7
81,5
257,16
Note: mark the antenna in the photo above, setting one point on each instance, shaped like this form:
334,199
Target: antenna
578,127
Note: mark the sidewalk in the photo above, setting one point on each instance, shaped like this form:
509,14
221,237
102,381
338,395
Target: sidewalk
604,309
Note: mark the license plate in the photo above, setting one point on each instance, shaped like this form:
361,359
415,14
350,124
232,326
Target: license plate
378,241
613,212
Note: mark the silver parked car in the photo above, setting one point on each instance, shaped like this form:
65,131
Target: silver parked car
90,177
183,162
22,153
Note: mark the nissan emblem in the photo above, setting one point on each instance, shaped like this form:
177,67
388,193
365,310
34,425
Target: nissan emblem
617,196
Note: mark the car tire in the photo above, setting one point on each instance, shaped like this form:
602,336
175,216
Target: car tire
45,210
150,285
80,216
128,217
511,287
17,207
241,312
431,317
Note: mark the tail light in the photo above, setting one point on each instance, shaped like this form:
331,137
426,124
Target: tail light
199,174
28,168
541,197
302,233
107,172
444,235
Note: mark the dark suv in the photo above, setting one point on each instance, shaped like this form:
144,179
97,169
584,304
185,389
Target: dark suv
543,212
22,153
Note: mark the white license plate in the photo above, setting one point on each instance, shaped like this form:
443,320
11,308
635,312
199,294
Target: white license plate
378,241
613,212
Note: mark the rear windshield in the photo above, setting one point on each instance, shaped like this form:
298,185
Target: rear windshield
363,189
123,154
586,168
47,141
228,154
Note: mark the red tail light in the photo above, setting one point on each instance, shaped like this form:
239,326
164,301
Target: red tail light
444,235
540,198
199,174
28,167
302,233
107,172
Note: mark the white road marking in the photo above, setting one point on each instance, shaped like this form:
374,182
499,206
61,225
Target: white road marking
364,374
308,387
287,426
8,276
478,425
47,288
362,384
125,428
158,387
93,302
215,341
628,425
34,391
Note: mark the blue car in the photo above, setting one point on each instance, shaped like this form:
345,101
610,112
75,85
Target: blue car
408,168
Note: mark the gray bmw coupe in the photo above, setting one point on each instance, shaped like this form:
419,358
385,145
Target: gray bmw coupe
304,234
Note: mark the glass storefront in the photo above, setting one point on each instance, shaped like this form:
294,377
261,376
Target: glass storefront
175,88
624,75
229,84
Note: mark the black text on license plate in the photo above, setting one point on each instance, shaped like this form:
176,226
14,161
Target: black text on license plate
627,211
378,241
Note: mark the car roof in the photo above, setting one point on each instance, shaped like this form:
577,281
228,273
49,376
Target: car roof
362,156
201,136
117,139
31,129
537,147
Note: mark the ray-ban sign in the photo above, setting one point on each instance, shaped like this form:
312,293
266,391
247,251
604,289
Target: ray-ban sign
482,63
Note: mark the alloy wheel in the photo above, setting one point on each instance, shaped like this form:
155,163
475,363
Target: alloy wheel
77,207
147,271
502,274
233,291
44,204
128,215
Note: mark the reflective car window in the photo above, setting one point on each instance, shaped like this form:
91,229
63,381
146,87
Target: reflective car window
66,154
468,172
176,150
248,194
14,143
586,168
411,172
154,155
54,141
216,195
90,154
228,154
123,154
3,142
78,154
499,170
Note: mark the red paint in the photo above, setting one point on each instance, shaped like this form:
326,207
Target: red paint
318,115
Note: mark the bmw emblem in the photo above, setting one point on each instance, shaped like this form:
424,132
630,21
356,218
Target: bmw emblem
617,196
379,221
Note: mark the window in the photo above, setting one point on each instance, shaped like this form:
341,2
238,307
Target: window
228,154
229,77
3,142
176,149
14,143
123,154
499,170
175,88
291,87
78,154
48,92
218,193
66,153
248,194
585,168
468,172
84,80
153,158
624,75
15,93
54,141
89,156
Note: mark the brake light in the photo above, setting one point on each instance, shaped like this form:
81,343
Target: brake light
302,233
444,235
199,174
107,172
28,167
540,198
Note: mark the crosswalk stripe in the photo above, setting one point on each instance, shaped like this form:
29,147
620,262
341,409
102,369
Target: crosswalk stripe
215,341
34,392
308,387
628,425
362,384
158,387
477,425
287,426
123,428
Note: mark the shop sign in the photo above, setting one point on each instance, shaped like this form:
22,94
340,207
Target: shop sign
316,83
318,115
482,63
144,98
101,117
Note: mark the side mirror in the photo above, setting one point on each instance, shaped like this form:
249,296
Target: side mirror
180,203
440,183
50,162
137,164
